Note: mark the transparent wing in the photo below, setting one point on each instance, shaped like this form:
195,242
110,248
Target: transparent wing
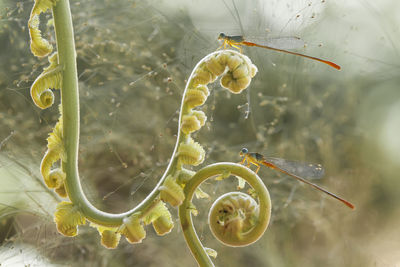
278,42
306,170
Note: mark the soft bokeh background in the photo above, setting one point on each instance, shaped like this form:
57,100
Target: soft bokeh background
133,59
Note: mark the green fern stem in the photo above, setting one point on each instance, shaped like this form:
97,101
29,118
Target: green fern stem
70,110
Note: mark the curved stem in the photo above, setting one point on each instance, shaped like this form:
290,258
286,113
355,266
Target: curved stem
70,112
222,168
69,92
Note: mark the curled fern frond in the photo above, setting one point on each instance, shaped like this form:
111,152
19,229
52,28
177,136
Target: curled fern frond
50,78
40,47
201,116
236,219
53,154
56,178
203,76
239,74
171,191
234,61
110,239
216,64
190,124
232,216
193,122
191,153
68,217
161,219
163,225
109,235
132,229
54,141
196,96
234,85
50,157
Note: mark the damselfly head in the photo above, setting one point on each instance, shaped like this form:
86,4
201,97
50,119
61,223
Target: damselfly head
243,152
221,36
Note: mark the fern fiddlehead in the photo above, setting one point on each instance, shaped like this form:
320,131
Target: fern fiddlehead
247,219
235,218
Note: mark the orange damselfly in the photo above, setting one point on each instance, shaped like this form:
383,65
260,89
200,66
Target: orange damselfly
293,169
237,40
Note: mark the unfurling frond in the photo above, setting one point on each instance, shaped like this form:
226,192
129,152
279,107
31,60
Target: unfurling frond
110,238
109,235
48,160
132,229
56,178
195,97
161,219
50,78
40,47
54,141
171,192
193,122
232,216
68,217
191,153
54,153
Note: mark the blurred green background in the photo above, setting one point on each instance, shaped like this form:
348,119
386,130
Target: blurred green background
133,59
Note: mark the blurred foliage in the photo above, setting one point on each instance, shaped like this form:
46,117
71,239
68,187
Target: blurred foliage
133,58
